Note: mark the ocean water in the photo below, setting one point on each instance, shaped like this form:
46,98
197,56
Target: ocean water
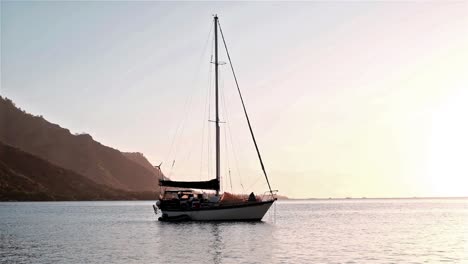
319,231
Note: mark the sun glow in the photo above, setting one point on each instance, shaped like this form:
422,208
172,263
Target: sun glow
447,167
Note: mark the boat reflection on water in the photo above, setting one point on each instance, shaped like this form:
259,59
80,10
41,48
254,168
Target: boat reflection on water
217,245
216,242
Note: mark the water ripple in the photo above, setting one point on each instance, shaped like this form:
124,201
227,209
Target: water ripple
356,231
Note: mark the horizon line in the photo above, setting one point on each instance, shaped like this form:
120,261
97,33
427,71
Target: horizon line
379,198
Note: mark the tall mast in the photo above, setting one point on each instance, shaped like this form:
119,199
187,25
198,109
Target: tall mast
218,161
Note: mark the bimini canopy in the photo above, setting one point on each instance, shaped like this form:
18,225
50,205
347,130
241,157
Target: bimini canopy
205,185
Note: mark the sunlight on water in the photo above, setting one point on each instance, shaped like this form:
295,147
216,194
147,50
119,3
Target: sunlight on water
336,231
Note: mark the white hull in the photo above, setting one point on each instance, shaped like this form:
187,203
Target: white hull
240,213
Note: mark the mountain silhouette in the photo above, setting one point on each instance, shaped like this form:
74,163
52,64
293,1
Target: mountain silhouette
80,154
25,177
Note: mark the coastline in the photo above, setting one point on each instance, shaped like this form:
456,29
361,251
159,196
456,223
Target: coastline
280,200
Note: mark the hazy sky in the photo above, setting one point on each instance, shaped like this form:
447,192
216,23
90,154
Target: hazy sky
346,98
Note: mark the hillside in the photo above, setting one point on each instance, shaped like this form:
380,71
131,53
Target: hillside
25,177
143,161
78,153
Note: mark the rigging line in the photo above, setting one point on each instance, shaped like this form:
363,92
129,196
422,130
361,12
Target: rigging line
171,148
233,147
203,128
245,110
230,179
223,100
182,127
227,158
234,152
172,167
205,118
221,93
209,112
189,102
231,141
254,183
227,155
224,115
172,145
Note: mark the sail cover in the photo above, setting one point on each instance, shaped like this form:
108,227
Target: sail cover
206,185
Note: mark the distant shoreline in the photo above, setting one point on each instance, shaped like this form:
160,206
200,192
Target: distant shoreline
287,199
378,198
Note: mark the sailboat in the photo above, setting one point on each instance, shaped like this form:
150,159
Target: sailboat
181,202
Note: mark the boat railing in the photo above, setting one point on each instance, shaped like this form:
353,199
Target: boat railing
269,195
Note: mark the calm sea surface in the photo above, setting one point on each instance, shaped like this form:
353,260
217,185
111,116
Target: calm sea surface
329,231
